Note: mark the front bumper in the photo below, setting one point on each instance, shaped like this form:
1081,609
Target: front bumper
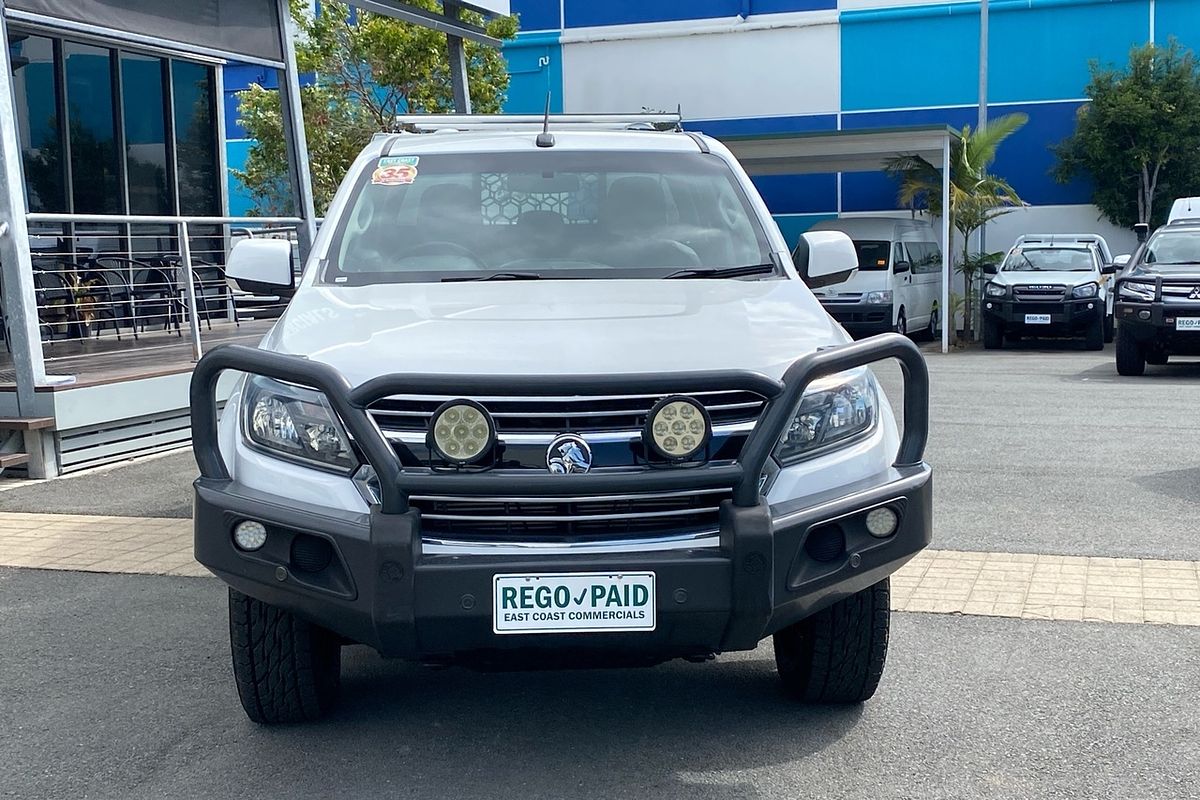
862,319
1066,316
1154,325
379,586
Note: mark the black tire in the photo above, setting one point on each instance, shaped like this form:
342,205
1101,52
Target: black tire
993,333
1109,328
932,329
287,669
837,655
1131,358
1094,336
902,323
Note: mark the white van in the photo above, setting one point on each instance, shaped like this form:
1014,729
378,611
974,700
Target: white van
898,283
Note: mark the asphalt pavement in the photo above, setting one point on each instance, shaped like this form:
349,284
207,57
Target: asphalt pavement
1038,450
120,687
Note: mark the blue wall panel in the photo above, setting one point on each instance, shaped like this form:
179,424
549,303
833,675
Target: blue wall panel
1043,53
798,194
759,125
537,15
1178,18
583,13
534,68
1026,159
890,60
792,225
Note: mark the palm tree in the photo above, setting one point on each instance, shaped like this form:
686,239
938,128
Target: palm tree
976,195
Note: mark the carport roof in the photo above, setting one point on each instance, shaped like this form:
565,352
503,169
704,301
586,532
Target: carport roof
837,151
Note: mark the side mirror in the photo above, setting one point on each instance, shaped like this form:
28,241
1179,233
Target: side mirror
990,269
900,267
824,258
1120,262
1109,269
261,266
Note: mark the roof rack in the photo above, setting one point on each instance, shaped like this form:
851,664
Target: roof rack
429,123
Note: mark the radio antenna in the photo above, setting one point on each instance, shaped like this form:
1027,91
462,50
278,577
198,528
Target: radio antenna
545,138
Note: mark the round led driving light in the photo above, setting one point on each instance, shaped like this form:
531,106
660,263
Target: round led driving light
882,522
677,428
250,535
461,432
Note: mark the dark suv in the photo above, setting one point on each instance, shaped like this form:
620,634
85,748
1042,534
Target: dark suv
1158,299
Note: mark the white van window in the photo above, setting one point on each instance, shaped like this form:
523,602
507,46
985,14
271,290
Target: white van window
926,257
872,255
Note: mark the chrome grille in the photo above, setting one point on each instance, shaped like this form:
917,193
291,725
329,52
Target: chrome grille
1179,293
571,518
1038,294
554,415
842,297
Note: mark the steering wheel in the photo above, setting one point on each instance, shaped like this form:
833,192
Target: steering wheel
445,248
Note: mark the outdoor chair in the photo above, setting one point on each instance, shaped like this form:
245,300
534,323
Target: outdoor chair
108,299
55,303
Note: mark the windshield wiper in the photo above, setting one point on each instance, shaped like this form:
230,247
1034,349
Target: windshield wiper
495,276
721,272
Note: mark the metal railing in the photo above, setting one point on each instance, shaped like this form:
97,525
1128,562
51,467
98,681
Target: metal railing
133,273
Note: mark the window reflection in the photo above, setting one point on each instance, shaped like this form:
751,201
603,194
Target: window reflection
94,166
144,114
195,138
36,94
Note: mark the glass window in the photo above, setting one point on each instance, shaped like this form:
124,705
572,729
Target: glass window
1050,259
36,91
575,214
95,185
1174,249
195,138
144,114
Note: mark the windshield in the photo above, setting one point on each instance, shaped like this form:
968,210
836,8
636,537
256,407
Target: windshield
545,214
1050,259
1176,249
872,255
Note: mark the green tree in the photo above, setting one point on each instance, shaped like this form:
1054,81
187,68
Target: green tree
368,68
976,195
1138,138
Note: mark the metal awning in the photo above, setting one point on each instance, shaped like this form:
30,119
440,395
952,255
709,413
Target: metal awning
854,151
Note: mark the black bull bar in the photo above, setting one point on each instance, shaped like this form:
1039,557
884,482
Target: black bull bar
396,485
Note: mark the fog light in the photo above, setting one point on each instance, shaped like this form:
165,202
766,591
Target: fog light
677,428
1091,306
1144,314
461,432
250,535
882,522
989,305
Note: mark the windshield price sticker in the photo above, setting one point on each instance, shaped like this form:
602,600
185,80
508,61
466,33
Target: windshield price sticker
395,171
573,602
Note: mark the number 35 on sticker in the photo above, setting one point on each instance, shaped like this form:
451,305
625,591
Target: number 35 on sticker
395,171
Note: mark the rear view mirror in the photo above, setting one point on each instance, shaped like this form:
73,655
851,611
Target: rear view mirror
261,265
824,258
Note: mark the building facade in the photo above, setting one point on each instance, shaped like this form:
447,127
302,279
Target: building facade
765,66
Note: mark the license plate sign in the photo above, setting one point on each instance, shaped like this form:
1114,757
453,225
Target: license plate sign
1187,323
1037,319
573,602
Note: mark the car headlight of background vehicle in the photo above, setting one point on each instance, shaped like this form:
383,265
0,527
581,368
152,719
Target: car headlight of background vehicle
296,423
833,412
995,290
1085,290
880,297
1135,290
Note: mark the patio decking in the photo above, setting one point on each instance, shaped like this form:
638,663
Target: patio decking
106,360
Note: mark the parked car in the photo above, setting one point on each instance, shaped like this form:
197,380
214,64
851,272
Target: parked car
547,398
1158,298
898,285
1050,285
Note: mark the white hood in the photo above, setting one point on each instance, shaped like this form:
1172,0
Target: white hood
1044,277
578,327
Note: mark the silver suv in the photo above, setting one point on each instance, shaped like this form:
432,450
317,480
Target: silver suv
549,397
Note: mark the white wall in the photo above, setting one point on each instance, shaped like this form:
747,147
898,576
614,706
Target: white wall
1058,219
782,71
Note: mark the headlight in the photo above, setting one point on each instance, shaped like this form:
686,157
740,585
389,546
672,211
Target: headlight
833,412
995,290
296,423
884,296
1134,290
1084,291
